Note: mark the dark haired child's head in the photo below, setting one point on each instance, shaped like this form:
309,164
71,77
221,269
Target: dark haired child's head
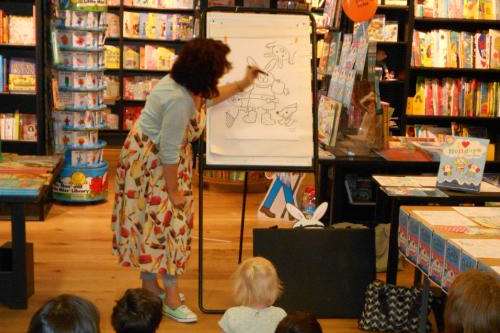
473,303
138,311
66,314
299,322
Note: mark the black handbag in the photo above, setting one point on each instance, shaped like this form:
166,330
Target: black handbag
390,308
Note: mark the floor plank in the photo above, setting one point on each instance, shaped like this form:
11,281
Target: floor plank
73,255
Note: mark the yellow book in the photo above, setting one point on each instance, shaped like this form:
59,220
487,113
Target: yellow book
111,57
16,126
165,57
151,31
419,98
409,106
131,58
490,155
488,10
471,9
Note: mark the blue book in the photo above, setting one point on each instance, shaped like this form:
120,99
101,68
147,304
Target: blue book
451,265
462,163
467,262
424,248
413,239
403,231
436,269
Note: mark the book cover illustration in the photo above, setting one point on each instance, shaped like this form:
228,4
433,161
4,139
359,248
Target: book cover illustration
403,231
424,248
462,163
482,50
436,269
451,265
413,239
21,185
328,116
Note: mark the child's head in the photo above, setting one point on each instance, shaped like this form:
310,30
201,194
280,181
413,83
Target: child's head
138,311
473,304
299,322
256,283
66,314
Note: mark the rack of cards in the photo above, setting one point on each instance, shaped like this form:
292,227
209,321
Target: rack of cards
78,31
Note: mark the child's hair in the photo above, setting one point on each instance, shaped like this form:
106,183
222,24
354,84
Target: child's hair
138,311
473,304
256,283
66,314
299,322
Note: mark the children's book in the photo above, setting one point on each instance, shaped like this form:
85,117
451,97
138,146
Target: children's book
334,50
391,31
113,22
453,50
495,48
482,50
22,75
21,30
111,57
376,28
131,57
462,163
131,22
467,49
328,118
471,9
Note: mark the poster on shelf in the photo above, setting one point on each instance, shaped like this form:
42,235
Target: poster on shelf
283,190
271,122
462,163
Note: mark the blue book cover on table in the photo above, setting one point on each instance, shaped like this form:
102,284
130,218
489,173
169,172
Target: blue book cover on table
462,163
436,269
467,262
451,265
403,231
413,239
424,248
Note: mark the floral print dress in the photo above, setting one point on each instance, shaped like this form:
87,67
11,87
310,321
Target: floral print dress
148,231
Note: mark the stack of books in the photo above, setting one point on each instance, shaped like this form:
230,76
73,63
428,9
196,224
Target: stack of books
149,57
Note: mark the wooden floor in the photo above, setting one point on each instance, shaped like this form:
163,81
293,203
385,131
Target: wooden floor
73,255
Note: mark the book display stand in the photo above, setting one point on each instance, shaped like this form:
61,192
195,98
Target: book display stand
78,61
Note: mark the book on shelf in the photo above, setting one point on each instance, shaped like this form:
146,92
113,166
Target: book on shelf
458,9
114,3
112,92
137,88
17,126
458,97
328,120
148,57
456,49
113,28
111,57
19,74
16,29
396,3
110,119
130,115
157,26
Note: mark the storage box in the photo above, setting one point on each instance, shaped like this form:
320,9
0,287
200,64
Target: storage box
451,265
424,248
403,231
413,239
436,271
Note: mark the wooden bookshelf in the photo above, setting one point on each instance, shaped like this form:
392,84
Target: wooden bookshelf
27,103
115,138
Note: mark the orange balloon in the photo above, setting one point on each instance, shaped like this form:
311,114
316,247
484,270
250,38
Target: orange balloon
359,10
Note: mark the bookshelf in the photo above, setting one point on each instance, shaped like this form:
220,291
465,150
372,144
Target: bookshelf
115,137
28,104
491,121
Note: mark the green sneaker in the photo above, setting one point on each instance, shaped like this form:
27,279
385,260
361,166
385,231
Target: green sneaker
182,297
182,314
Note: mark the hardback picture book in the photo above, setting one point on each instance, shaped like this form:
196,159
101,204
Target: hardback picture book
113,28
130,115
20,185
22,75
111,57
391,31
495,47
482,50
328,117
21,30
462,163
131,58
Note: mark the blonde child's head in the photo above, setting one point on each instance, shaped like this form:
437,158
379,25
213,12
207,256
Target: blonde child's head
256,283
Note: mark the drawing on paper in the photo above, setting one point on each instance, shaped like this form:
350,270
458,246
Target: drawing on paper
261,102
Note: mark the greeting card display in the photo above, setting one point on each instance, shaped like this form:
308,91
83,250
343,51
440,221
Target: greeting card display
462,163
78,32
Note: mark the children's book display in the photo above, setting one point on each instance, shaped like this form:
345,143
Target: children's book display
79,85
458,9
462,164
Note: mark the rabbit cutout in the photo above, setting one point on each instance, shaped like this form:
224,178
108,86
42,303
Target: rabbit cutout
314,221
